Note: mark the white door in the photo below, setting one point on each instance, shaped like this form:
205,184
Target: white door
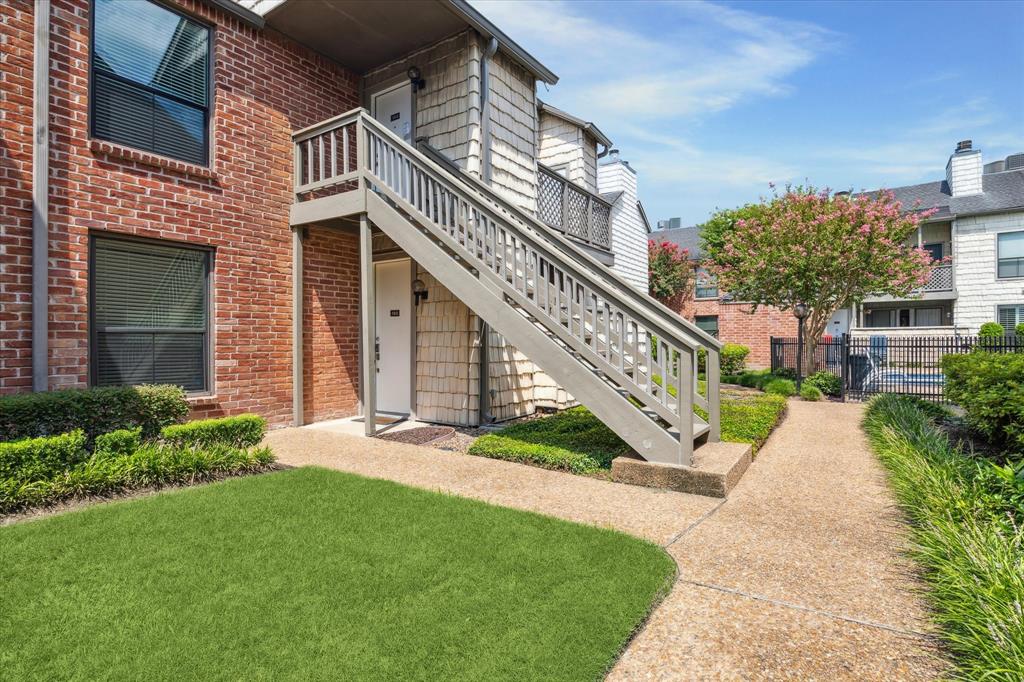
393,281
393,108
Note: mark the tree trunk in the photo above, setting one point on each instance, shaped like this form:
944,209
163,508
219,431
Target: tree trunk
813,330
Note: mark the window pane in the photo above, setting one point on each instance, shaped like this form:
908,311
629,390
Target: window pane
153,46
1010,316
928,317
708,323
934,250
122,113
179,130
1011,267
1011,245
151,358
148,285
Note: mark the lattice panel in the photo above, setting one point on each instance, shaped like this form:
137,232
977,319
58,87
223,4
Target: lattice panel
577,213
941,279
600,228
549,203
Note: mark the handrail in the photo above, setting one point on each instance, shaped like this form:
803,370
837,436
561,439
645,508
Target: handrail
587,306
594,273
558,241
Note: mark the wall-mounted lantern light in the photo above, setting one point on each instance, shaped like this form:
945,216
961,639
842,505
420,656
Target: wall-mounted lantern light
416,78
419,290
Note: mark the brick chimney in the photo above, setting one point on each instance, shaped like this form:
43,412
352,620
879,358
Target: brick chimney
964,169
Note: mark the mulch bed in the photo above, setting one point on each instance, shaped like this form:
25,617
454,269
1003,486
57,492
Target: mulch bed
421,435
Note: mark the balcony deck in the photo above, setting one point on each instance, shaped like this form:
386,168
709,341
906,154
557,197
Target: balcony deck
940,287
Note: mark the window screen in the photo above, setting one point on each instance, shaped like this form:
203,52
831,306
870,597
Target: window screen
1011,254
149,314
1010,316
150,79
708,323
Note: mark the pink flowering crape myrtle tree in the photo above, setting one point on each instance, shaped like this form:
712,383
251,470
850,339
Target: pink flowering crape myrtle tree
669,271
808,246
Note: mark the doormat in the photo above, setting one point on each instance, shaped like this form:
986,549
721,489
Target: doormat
421,435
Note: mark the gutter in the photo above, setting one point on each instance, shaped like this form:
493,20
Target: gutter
41,197
486,171
471,16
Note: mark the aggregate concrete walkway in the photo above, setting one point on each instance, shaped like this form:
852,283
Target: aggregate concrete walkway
798,575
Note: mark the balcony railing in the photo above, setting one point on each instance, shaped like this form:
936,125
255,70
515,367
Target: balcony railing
572,210
941,279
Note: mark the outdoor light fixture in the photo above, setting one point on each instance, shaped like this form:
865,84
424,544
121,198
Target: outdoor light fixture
419,290
800,312
416,78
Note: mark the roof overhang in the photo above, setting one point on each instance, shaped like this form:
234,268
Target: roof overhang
587,126
365,34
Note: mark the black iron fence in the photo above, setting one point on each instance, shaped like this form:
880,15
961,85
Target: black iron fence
868,365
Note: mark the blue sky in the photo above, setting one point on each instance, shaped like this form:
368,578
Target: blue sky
712,101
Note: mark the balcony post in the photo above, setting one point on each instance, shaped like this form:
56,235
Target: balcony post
712,376
684,400
565,206
590,220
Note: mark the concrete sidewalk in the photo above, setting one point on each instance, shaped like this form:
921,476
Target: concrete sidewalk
798,575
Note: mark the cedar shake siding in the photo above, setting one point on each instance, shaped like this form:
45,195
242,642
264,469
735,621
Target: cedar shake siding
265,86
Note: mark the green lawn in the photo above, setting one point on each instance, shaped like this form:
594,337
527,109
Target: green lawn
577,441
317,574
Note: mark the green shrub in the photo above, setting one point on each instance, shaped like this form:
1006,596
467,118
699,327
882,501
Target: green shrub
94,411
242,431
37,459
733,358
785,373
812,393
990,389
151,465
990,329
971,550
751,420
731,379
783,387
826,382
118,443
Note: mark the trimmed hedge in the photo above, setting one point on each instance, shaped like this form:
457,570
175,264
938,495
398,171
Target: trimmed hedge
967,536
37,459
120,443
242,431
811,393
783,387
991,329
826,382
151,465
94,411
734,358
990,389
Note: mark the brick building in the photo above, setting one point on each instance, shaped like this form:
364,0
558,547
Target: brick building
267,201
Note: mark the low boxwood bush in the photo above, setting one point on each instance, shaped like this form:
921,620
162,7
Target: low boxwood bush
826,382
812,393
733,358
967,533
990,389
241,431
118,443
94,411
36,459
783,387
151,465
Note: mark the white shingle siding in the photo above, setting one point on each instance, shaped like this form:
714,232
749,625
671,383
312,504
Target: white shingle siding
513,116
979,291
963,173
563,143
629,235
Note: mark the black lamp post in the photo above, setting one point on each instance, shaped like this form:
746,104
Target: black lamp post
800,311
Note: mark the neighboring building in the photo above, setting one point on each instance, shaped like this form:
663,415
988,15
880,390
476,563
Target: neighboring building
617,183
979,227
232,201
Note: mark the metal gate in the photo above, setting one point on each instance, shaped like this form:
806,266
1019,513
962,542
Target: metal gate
869,365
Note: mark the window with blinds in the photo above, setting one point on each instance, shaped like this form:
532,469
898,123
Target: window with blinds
1011,254
149,314
1010,316
150,79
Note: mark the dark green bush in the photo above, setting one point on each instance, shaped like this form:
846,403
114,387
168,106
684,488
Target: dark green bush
783,387
810,392
36,459
785,373
990,389
1019,329
94,411
826,382
118,443
242,431
990,329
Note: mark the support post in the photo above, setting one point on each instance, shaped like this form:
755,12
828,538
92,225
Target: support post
367,309
712,375
41,198
297,371
684,396
799,352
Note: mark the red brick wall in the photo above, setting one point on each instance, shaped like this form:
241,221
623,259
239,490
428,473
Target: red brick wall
265,87
331,324
737,324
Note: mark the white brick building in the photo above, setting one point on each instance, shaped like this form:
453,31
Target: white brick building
979,226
